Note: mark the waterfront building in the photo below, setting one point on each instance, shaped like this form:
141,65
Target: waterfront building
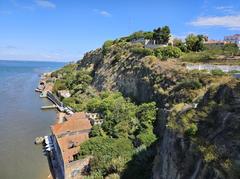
64,93
67,137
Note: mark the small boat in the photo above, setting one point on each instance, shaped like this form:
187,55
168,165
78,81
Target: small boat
43,95
38,90
48,107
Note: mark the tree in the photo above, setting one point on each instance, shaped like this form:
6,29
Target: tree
147,114
97,131
148,35
109,155
165,35
147,137
195,42
161,35
180,44
156,34
231,49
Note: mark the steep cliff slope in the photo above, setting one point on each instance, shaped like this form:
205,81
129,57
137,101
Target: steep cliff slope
198,120
213,152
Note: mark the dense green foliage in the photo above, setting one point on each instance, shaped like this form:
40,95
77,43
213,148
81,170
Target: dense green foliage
217,72
122,118
64,71
129,126
231,49
180,44
204,56
142,51
139,35
106,46
212,53
77,81
109,155
195,42
161,35
168,52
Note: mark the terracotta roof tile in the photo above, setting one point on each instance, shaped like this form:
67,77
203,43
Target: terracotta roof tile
71,133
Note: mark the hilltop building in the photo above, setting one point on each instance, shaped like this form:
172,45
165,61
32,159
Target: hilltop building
214,43
150,43
233,39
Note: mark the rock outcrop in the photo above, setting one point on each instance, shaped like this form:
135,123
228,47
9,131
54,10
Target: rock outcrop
204,145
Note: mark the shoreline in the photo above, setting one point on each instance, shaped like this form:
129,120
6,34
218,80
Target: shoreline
53,145
59,115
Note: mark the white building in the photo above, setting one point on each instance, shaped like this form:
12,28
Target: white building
149,43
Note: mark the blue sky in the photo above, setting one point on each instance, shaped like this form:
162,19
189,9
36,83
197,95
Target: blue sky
63,30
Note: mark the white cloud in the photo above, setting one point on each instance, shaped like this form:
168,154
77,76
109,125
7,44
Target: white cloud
105,13
102,12
229,21
228,10
45,4
22,6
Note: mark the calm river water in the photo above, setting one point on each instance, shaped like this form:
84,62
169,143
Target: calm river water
21,120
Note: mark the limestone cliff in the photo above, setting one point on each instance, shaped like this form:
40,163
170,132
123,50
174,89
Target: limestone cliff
198,123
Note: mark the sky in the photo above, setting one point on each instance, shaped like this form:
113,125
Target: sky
63,30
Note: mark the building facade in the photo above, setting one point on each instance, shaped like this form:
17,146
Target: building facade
233,39
67,137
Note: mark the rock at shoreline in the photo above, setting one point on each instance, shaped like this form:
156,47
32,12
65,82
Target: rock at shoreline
39,140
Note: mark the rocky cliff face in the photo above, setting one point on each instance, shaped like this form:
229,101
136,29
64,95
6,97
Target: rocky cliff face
214,151
194,142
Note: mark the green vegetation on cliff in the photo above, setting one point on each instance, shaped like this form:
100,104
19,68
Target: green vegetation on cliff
144,98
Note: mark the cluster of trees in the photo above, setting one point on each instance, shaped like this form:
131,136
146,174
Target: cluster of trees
162,53
76,81
109,155
161,35
212,53
126,127
194,43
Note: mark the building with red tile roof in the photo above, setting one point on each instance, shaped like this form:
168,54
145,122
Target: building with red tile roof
67,137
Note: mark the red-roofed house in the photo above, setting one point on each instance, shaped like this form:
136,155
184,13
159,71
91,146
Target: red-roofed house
67,137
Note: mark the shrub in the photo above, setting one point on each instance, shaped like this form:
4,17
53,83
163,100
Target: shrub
180,44
167,52
59,85
217,72
191,129
231,49
234,71
109,155
189,84
209,153
147,114
69,101
142,51
97,131
106,46
138,35
204,56
147,137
